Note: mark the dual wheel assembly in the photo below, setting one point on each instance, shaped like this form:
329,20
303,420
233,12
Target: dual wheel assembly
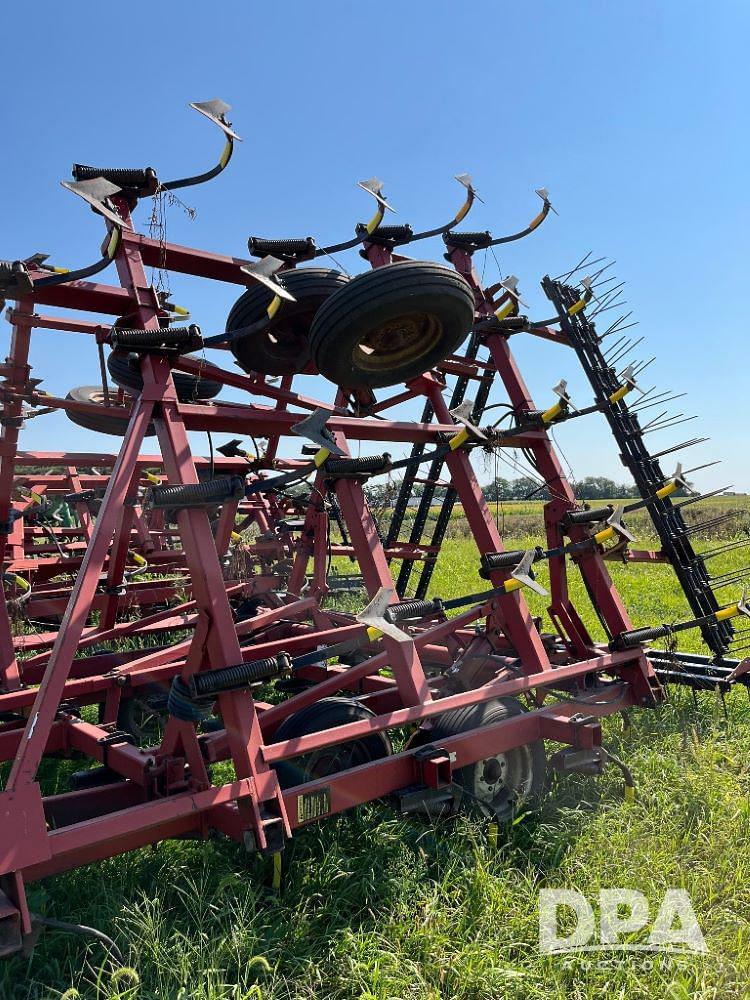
381,328
495,787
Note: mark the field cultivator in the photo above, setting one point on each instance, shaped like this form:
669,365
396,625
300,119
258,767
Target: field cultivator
164,612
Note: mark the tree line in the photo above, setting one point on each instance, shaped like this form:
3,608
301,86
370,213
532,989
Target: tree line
522,488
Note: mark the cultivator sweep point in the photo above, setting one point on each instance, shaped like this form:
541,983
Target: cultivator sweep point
165,612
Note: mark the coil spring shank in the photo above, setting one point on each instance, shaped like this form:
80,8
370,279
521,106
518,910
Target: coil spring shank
304,247
341,468
412,609
178,338
122,176
639,636
213,491
238,676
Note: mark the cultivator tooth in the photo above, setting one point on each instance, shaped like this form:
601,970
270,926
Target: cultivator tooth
615,527
263,271
522,574
464,415
375,617
315,429
543,193
216,112
98,192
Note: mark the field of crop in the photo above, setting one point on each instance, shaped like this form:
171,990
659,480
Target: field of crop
377,907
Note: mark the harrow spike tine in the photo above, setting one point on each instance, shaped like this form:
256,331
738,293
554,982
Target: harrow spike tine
641,366
699,468
216,111
738,543
620,353
679,447
373,615
601,303
600,284
672,422
96,192
263,270
712,522
610,291
564,277
613,347
614,304
596,283
645,427
631,347
585,263
646,393
618,328
704,496
613,326
656,401
727,579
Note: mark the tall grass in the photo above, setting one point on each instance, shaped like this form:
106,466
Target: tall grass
378,907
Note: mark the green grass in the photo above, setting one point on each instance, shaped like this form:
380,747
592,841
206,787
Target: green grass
377,906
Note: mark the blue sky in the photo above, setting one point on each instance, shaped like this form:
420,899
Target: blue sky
634,115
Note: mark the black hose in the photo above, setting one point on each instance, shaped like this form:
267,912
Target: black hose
83,931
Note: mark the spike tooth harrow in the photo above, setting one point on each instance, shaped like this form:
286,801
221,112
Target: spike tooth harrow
254,608
645,468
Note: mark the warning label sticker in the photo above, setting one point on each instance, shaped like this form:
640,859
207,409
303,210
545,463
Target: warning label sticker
313,805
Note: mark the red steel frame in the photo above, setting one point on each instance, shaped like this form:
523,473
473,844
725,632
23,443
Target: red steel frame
167,791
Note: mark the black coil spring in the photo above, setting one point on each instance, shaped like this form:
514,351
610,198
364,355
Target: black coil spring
389,233
212,491
281,248
213,682
512,323
358,466
122,176
412,609
172,338
500,560
588,516
467,239
9,269
638,636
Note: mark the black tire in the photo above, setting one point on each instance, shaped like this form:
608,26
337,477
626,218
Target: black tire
144,716
390,325
125,370
327,714
282,348
102,423
497,785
